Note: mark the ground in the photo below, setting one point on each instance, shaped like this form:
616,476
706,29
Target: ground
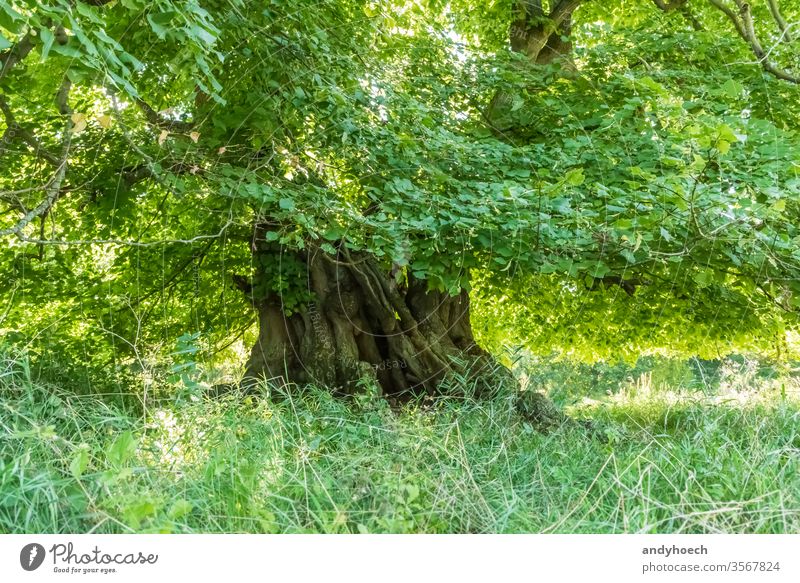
657,458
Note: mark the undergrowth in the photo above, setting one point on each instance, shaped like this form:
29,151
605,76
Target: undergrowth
655,460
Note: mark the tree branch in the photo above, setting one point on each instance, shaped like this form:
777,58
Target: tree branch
52,190
53,187
670,5
122,242
140,172
563,10
779,20
158,120
628,285
743,22
681,6
533,8
14,129
62,97
15,54
531,32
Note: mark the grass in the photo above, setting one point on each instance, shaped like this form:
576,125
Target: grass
658,460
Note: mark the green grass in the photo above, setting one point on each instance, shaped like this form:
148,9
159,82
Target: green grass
656,461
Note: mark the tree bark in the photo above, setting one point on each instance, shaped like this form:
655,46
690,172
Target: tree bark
363,327
545,39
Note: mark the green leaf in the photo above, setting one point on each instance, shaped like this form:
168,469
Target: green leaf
47,42
159,22
67,51
704,277
202,34
628,255
138,511
599,271
79,462
574,177
122,449
179,509
10,19
732,88
725,132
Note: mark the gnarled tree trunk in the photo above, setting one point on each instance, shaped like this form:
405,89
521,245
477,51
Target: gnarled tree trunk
364,326
544,38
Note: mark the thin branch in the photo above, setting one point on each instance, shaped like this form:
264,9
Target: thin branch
14,129
15,54
670,5
156,119
690,16
783,26
74,242
140,172
628,285
197,256
533,8
53,187
743,22
52,191
22,190
681,6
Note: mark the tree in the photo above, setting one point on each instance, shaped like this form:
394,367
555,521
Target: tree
351,168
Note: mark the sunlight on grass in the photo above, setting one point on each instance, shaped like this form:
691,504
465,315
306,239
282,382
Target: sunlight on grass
656,459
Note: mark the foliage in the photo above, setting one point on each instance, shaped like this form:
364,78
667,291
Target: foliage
652,190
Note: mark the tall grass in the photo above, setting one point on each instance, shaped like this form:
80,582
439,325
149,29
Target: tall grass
657,460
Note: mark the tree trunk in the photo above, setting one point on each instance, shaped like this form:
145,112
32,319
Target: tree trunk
364,326
544,40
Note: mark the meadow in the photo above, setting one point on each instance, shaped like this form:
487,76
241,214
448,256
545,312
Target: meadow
668,449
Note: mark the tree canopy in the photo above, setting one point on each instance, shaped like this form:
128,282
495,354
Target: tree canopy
608,176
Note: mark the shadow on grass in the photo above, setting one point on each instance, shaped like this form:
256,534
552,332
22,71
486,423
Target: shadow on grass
665,462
